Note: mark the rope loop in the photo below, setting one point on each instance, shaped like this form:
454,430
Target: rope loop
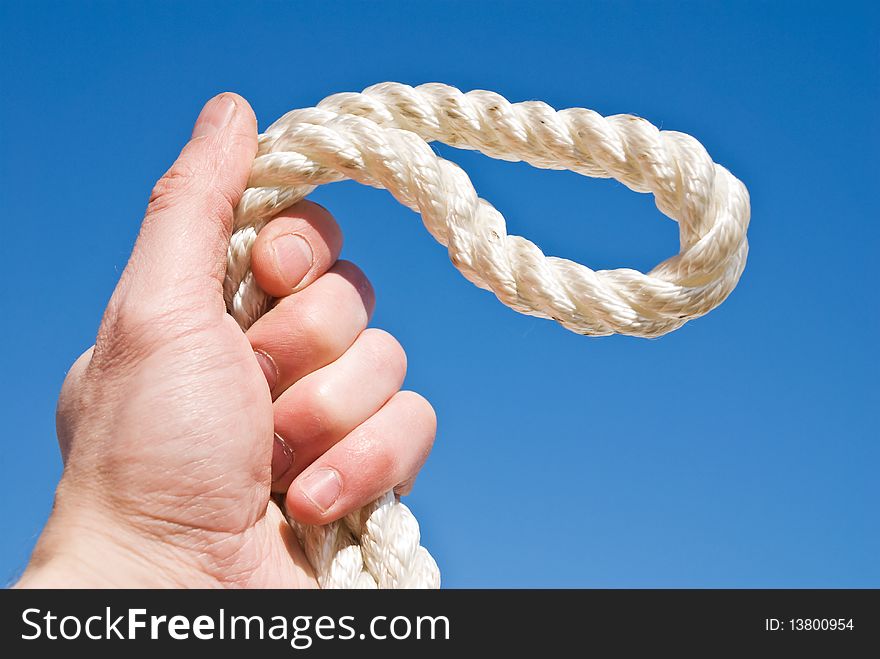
380,137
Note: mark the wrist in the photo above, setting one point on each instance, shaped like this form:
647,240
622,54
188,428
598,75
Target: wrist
86,550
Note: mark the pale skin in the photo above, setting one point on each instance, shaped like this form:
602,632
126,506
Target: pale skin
179,432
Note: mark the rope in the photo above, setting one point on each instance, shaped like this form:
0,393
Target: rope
380,138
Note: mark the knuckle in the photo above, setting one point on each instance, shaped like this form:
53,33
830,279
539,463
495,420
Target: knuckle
356,277
319,411
425,419
348,269
387,463
374,454
176,182
421,411
133,328
316,334
384,459
384,351
119,337
136,323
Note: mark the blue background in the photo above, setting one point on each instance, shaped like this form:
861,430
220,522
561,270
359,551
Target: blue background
739,451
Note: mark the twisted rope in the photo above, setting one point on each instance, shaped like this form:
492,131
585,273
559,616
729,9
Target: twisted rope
380,138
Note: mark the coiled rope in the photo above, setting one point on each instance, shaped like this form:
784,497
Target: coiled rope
380,138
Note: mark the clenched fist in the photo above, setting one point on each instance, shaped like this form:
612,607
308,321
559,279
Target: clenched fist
176,428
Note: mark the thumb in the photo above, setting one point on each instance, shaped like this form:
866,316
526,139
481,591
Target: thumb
179,258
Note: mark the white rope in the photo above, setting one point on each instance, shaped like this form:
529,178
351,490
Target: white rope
379,137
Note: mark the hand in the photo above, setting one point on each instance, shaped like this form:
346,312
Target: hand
176,426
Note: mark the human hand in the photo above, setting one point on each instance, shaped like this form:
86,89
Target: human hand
166,425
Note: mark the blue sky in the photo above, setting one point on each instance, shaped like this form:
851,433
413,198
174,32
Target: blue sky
741,450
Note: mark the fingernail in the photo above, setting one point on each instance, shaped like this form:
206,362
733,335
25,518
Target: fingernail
214,116
270,370
322,488
282,458
293,258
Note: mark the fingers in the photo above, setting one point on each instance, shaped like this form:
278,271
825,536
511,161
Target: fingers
309,329
323,407
295,248
386,450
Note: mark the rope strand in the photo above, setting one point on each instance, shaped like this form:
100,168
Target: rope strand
380,137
